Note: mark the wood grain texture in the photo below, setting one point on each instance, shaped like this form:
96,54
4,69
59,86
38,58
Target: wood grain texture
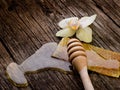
26,25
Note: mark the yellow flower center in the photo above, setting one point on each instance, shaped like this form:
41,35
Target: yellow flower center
73,24
74,27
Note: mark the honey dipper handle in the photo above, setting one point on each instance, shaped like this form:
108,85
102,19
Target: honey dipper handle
85,79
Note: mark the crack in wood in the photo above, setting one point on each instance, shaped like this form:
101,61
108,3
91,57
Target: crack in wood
7,49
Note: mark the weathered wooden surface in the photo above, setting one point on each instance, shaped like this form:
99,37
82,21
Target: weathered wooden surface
26,25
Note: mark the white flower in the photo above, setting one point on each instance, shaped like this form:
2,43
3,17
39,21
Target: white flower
73,25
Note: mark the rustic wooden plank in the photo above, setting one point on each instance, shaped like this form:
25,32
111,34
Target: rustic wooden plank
24,28
111,8
15,38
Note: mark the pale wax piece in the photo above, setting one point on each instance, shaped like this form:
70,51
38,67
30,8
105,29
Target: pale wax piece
40,60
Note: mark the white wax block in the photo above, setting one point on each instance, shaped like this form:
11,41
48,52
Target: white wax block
15,74
40,60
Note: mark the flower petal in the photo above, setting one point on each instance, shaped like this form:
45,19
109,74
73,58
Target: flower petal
64,23
84,34
86,21
67,32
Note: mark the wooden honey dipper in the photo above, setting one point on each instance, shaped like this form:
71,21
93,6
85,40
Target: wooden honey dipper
78,58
